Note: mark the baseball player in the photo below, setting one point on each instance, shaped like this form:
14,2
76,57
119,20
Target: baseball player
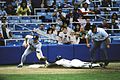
32,44
100,39
76,63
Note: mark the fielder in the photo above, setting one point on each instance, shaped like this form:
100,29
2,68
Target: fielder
100,39
32,44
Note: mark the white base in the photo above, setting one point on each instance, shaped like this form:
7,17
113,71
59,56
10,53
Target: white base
36,66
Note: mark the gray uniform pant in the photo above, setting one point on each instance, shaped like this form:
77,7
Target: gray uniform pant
28,51
103,50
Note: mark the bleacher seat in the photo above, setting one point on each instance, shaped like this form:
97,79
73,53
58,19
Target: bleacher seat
36,21
25,21
13,21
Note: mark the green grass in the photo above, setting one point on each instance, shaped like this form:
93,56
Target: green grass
112,75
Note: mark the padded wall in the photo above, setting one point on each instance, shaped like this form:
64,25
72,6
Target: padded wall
12,55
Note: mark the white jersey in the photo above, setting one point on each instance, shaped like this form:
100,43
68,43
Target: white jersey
34,46
27,37
75,63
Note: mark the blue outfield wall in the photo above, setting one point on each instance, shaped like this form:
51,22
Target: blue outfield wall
12,55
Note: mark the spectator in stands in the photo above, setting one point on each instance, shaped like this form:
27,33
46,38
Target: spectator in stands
50,34
55,32
5,30
82,21
73,38
66,4
61,15
69,17
77,28
106,3
48,17
23,9
114,17
76,15
82,38
82,30
2,43
105,25
51,3
77,34
10,10
97,10
65,36
77,3
2,11
88,25
40,30
85,9
114,22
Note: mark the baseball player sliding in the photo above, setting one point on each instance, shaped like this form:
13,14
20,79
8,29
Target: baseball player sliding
32,44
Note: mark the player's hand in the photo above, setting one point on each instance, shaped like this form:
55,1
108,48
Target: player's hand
108,46
26,45
88,45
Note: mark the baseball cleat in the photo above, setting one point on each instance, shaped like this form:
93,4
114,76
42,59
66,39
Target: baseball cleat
20,66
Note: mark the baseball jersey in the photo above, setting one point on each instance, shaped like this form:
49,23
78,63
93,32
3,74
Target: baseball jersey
100,35
34,45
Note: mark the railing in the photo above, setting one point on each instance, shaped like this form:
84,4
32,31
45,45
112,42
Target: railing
37,16
92,8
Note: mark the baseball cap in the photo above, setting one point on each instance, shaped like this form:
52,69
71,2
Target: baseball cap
35,37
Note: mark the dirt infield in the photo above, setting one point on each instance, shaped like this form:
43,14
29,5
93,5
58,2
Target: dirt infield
56,70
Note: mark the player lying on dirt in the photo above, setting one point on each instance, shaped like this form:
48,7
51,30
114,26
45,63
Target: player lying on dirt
75,63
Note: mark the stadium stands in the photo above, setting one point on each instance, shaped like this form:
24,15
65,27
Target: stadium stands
28,23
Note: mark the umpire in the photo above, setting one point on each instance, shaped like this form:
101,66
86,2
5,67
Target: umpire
100,39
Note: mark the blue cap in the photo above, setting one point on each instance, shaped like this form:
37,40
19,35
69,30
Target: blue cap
35,37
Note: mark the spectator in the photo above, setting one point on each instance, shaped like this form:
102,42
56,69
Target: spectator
82,21
106,3
2,43
10,10
114,22
48,17
85,9
51,35
69,17
105,25
82,38
114,17
77,2
2,11
76,15
55,32
65,36
5,30
97,10
23,9
40,30
77,28
51,3
88,25
73,39
61,15
66,4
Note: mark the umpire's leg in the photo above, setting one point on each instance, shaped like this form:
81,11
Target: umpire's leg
93,51
103,48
